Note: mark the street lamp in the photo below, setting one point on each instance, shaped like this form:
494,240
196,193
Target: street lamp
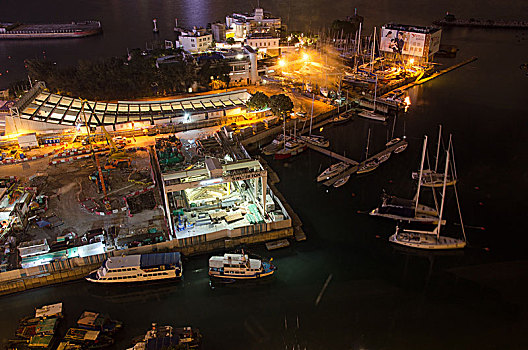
282,62
305,57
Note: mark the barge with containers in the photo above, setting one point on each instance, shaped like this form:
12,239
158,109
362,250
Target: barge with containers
50,30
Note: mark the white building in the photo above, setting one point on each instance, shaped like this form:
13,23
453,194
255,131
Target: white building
262,42
197,40
258,22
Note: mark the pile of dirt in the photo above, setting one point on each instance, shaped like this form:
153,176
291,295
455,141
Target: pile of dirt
143,201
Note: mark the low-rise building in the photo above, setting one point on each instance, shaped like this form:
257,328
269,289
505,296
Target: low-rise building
197,40
263,41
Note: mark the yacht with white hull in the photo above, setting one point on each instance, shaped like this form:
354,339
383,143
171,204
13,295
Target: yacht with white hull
235,266
138,268
432,240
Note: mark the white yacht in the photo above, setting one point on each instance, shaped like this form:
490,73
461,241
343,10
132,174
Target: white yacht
239,266
425,239
138,268
332,171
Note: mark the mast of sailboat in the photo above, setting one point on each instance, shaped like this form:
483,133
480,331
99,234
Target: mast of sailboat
443,196
311,116
454,187
372,51
358,46
417,197
438,146
368,142
284,131
375,92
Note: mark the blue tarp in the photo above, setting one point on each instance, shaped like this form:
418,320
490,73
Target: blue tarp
158,259
43,223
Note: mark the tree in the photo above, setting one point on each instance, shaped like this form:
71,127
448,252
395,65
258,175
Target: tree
258,101
280,105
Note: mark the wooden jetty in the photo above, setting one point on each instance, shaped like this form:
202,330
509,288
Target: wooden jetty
356,166
332,154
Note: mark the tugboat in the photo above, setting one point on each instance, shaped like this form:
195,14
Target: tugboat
235,266
38,331
98,322
88,339
163,337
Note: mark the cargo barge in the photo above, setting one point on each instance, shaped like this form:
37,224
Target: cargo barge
50,31
451,21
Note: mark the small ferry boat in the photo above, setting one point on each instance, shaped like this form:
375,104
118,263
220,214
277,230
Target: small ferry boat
234,266
138,268
333,170
163,337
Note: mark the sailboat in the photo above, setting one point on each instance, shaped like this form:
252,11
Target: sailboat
431,240
292,147
316,140
333,170
369,164
431,178
372,114
406,209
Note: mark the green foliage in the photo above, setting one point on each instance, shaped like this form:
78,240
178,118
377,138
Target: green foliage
119,78
258,101
230,41
280,105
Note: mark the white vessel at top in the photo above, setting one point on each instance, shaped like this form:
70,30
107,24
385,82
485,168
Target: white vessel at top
138,268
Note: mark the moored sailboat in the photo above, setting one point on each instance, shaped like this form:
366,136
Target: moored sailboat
431,240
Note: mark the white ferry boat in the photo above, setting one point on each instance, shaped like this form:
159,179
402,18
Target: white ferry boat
138,268
239,266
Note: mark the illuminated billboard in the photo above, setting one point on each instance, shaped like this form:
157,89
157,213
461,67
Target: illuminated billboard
403,42
434,43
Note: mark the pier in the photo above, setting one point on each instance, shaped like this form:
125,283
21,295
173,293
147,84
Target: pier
332,154
356,166
437,74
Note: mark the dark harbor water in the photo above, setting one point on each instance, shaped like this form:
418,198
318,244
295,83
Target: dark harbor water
378,296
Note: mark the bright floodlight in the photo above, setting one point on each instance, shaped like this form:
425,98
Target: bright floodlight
407,101
411,61
282,63
305,56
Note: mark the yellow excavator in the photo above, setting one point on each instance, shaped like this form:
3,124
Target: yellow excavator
117,158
